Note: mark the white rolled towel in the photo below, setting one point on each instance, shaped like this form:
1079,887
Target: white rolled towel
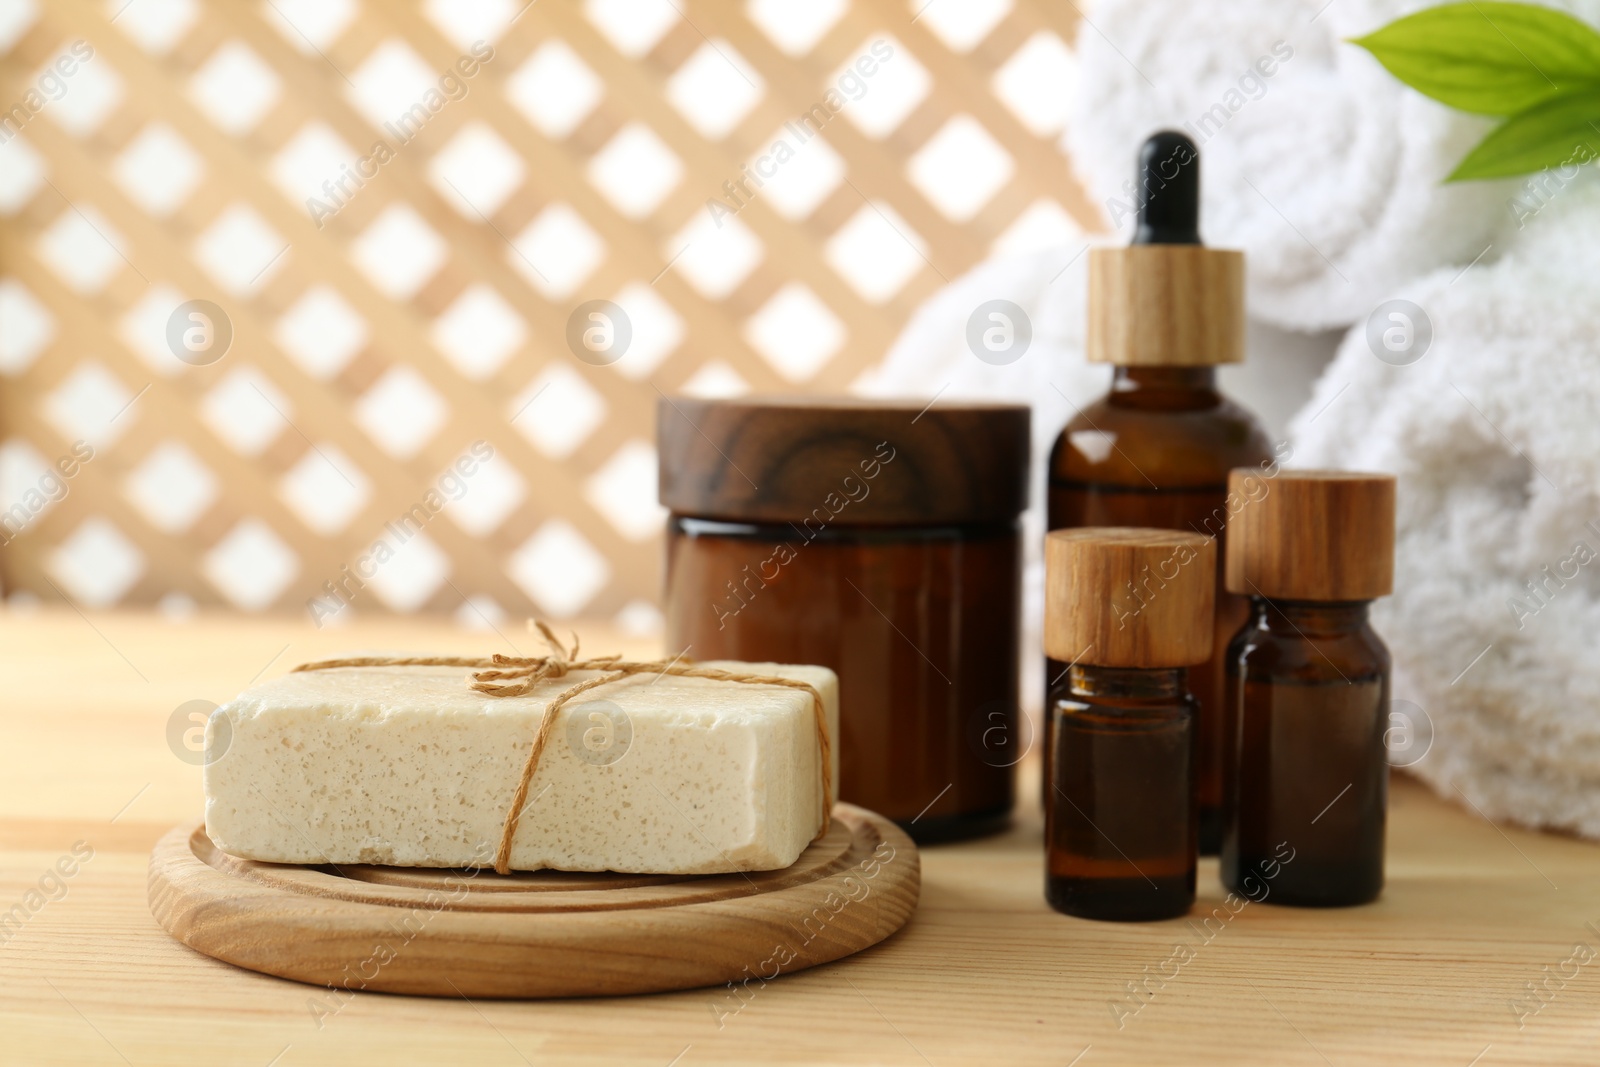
1495,436
1328,172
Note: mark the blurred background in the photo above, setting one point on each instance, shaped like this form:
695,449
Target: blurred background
295,287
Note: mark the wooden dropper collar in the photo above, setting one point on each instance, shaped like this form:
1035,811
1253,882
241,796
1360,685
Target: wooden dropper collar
1166,300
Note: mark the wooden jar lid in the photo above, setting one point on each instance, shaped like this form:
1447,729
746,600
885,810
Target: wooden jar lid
1166,305
1311,535
1125,597
861,462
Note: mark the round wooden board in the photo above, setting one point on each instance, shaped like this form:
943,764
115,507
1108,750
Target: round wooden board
539,934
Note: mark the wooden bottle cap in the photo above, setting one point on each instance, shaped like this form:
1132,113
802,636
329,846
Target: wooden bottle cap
1127,597
862,462
1311,535
1166,305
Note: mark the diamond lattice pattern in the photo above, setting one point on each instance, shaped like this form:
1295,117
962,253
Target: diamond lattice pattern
395,208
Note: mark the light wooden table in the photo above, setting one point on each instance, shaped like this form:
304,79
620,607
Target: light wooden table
985,973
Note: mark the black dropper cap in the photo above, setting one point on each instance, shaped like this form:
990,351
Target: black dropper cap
1169,191
1166,300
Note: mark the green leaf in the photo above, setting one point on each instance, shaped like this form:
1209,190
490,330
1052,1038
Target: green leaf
1563,129
1489,58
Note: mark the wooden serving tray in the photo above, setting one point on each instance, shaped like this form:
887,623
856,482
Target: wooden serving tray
540,934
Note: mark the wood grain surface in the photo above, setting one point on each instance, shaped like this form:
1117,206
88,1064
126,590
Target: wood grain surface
537,934
789,459
984,972
1311,535
1165,306
1120,596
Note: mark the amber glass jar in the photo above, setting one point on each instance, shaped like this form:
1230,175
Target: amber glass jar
880,540
1308,687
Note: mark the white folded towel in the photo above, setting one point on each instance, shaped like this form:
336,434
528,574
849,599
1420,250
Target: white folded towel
1495,436
1327,173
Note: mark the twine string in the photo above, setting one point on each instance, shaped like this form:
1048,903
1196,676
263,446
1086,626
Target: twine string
514,676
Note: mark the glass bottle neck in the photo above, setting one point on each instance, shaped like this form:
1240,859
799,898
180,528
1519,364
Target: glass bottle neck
1310,616
1139,683
1165,388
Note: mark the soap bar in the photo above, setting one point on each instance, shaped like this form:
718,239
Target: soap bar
408,766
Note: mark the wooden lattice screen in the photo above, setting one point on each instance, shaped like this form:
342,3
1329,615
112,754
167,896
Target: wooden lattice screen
170,156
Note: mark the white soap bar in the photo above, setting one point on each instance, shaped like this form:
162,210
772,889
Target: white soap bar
408,766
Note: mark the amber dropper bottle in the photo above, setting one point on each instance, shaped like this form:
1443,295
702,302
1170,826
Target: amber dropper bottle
1120,826
1156,450
1308,681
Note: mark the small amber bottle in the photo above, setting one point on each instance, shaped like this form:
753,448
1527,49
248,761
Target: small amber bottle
1156,450
1308,687
1135,606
